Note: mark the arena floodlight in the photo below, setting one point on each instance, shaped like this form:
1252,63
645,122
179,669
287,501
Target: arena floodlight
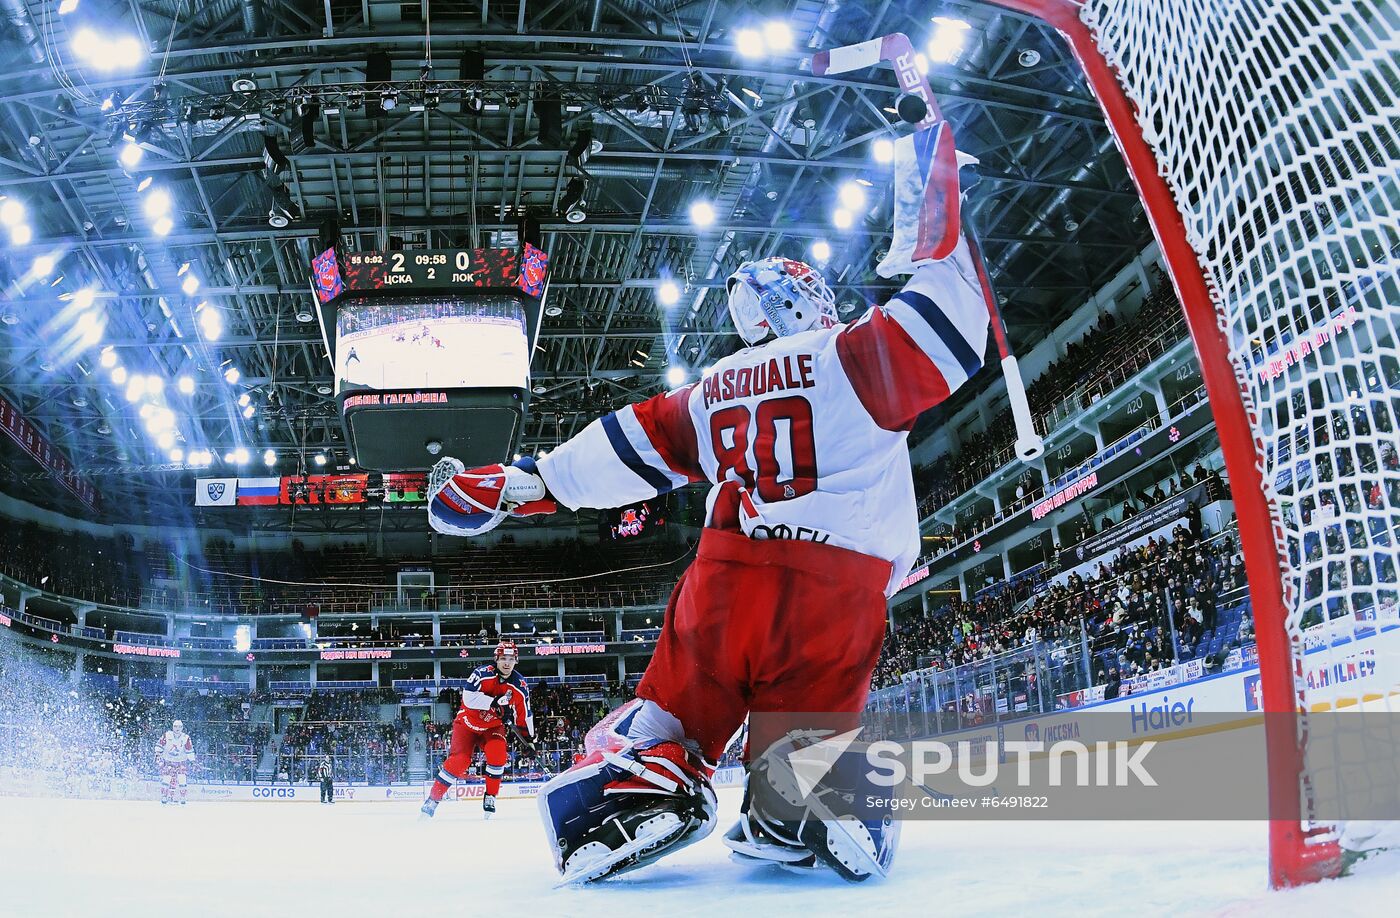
186,385
157,203
232,375
21,234
668,294
852,195
882,150
131,154
154,385
777,35
821,250
702,213
66,6
240,455
43,265
320,459
177,455
244,400
119,375
948,39
11,212
190,284
166,440
144,183
163,226
269,458
748,42
249,411
842,218
108,358
243,636
675,376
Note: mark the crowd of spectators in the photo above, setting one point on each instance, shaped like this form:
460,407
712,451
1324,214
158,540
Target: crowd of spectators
349,728
1108,354
1125,610
72,563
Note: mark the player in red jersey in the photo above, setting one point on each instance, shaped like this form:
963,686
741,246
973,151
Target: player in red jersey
496,697
174,753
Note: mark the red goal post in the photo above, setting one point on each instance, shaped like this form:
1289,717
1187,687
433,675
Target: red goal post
1154,67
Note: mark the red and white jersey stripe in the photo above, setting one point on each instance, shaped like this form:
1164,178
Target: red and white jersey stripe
805,436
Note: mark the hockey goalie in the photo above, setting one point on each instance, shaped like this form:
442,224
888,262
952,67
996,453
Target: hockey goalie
811,523
174,753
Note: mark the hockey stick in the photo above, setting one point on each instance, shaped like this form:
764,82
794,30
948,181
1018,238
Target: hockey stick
896,50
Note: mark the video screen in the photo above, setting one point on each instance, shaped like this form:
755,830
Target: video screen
431,342
633,521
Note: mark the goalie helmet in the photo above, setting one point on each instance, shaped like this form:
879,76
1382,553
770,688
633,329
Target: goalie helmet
780,297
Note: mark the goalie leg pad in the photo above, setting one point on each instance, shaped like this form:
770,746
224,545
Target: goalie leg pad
854,841
628,802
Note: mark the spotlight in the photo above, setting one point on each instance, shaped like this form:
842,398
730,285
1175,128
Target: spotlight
177,455
108,358
571,204
157,203
190,284
748,42
244,399
249,411
21,234
119,375
240,455
675,376
144,183
131,155
777,35
842,218
852,196
320,459
84,298
11,212
882,150
163,226
166,440
821,250
702,213
43,266
269,458
186,385
949,37
668,294
232,375
389,100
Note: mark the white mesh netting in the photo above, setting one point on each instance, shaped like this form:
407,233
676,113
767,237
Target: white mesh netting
1275,125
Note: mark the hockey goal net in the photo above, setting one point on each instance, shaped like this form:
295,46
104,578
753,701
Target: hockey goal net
1262,135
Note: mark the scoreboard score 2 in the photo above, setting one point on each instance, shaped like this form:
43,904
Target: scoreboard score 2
431,269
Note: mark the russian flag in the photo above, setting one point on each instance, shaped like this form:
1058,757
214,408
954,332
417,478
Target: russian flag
258,492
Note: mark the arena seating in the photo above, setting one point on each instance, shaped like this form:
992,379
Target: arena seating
1121,610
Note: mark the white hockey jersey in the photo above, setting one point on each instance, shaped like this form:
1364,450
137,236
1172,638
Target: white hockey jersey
803,437
174,748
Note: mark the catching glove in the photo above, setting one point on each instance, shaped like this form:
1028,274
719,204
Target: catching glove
472,502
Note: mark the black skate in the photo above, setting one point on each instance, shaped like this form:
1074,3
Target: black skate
488,805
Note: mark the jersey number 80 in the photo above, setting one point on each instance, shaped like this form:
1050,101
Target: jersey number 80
730,431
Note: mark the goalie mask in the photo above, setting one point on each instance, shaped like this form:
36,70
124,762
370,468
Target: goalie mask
779,297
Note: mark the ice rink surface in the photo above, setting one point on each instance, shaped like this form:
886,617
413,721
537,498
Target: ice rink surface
123,858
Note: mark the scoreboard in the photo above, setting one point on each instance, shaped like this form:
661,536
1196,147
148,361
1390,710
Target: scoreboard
431,350
429,269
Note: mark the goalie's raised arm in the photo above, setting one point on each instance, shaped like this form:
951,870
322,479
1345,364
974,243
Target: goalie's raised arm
464,502
633,454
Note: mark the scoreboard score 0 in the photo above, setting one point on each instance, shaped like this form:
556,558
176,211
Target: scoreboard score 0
336,274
